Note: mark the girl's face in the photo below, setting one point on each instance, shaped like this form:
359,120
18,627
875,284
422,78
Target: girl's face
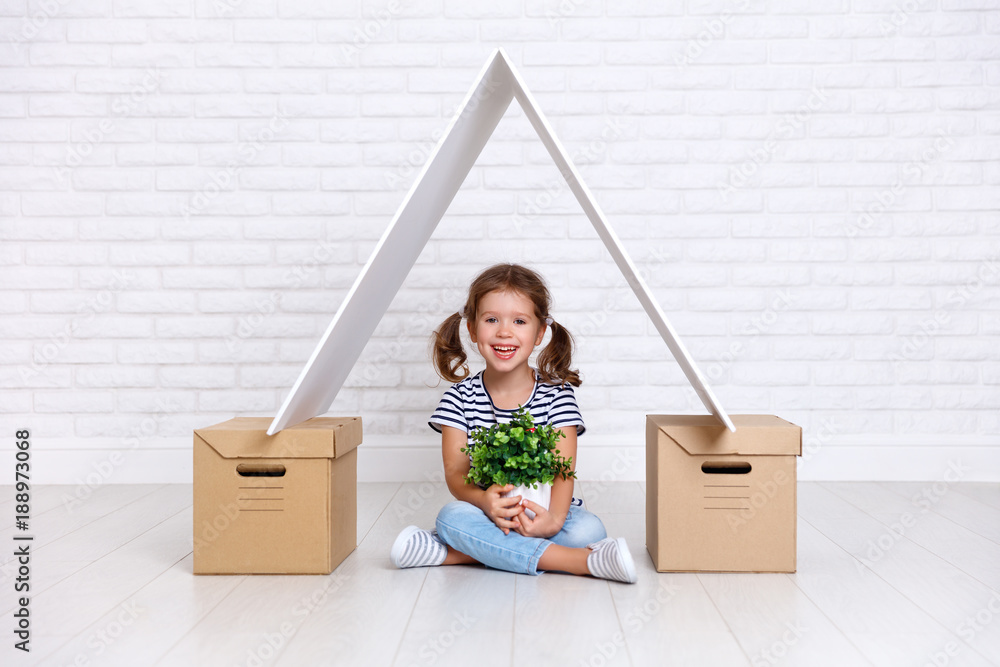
506,330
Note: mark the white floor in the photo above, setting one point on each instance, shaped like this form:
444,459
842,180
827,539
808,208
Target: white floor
886,576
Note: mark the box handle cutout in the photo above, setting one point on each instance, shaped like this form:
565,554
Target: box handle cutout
725,467
261,470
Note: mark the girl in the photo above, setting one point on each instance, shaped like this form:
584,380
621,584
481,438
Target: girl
507,313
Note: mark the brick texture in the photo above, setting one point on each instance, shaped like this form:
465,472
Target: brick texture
189,188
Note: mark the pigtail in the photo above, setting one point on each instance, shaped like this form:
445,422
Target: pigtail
449,356
554,361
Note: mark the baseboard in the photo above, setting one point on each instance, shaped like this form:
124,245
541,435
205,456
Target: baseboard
90,463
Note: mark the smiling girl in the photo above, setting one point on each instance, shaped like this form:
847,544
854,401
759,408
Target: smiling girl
507,315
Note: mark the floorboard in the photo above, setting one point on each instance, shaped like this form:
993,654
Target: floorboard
979,517
977,556
943,591
888,574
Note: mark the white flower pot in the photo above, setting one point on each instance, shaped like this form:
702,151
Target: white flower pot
542,495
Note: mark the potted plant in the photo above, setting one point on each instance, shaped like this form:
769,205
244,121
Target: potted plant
521,454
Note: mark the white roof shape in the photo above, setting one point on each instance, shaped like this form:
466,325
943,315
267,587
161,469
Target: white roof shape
425,204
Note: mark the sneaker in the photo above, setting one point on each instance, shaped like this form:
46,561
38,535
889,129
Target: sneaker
415,547
610,559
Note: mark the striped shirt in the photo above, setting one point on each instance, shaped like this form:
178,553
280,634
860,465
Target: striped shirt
467,405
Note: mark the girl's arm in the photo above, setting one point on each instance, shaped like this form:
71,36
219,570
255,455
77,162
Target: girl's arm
456,467
562,489
548,523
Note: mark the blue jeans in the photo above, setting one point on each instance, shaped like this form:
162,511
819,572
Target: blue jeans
466,528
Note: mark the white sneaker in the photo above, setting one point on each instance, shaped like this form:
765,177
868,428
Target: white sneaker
610,559
415,547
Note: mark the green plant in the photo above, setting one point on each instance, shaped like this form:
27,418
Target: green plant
517,453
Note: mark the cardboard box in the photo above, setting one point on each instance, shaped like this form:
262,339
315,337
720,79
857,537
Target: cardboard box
281,504
718,501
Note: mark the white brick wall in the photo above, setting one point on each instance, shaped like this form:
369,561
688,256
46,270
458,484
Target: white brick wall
189,188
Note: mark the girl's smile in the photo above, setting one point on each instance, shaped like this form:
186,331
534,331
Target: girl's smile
505,352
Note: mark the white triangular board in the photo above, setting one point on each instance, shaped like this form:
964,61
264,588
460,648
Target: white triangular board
419,214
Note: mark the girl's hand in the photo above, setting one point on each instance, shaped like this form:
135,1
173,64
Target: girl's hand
502,510
545,524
